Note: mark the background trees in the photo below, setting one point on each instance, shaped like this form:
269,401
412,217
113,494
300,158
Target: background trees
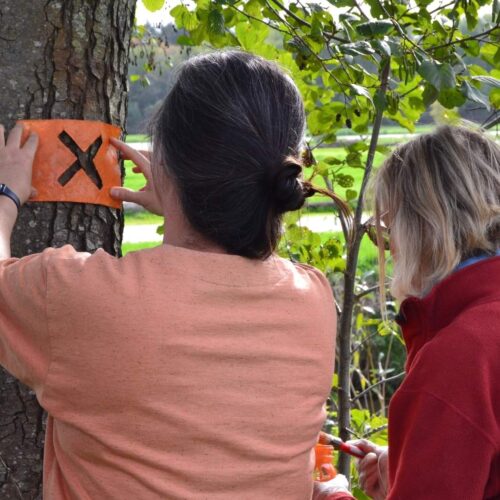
57,60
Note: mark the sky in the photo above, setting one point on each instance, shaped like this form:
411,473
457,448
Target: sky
159,17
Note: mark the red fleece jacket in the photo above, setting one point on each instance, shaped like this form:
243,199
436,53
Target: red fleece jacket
444,420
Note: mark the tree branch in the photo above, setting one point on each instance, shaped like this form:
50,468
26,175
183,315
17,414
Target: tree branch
377,384
349,283
473,37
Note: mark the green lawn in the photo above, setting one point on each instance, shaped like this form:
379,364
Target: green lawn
142,217
136,181
385,129
132,247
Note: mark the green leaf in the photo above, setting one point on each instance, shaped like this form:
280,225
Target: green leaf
134,78
185,40
251,34
361,91
489,80
475,70
430,94
184,18
345,181
372,28
471,47
475,95
451,98
216,22
441,76
392,102
351,194
332,160
495,98
153,5
353,159
356,49
382,47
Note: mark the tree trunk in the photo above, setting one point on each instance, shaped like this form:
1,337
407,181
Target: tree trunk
58,59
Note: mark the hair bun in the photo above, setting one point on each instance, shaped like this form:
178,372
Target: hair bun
288,190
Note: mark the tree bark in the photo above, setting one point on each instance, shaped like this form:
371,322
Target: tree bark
58,59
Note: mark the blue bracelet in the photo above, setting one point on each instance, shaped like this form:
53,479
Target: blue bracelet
5,191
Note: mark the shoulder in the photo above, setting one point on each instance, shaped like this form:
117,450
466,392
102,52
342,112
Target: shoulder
311,276
472,336
459,365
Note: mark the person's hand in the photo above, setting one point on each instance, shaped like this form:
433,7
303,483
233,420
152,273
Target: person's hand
147,196
16,162
373,469
323,490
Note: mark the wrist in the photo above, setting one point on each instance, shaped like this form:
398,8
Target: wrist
7,192
8,212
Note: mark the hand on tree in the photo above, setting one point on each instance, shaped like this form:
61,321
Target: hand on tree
327,489
373,469
16,162
146,197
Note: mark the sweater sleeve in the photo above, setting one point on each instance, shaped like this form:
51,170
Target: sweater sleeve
435,451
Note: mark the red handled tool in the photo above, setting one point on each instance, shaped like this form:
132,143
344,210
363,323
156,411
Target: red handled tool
338,444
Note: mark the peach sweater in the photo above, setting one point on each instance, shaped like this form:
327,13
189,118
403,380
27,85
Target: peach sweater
171,373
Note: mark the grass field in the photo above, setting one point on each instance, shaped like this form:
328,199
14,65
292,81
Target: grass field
136,181
142,217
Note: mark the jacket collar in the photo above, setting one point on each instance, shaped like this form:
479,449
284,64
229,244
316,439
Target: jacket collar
421,318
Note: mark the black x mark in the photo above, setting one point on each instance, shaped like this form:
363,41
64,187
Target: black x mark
85,160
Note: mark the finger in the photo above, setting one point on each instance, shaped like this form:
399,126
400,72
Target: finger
370,483
146,153
129,153
369,461
31,144
365,445
14,138
125,194
367,481
144,170
34,192
2,136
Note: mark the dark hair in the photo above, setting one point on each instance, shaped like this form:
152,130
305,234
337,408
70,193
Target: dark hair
229,134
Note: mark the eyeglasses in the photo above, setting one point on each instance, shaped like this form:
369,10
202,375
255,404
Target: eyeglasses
370,227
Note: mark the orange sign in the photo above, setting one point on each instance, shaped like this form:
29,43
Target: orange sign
74,161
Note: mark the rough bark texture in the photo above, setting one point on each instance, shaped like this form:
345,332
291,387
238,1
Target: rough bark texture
58,59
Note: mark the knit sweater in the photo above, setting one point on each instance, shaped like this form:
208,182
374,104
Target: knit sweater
444,420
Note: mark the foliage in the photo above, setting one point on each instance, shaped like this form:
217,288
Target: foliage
356,63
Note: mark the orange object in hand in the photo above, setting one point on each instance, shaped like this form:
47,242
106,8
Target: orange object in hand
324,469
74,161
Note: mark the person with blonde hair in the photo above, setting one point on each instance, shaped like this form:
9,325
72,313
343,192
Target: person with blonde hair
438,197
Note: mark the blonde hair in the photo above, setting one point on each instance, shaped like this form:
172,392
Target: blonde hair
441,193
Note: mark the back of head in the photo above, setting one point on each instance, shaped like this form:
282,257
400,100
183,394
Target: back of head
441,193
229,135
